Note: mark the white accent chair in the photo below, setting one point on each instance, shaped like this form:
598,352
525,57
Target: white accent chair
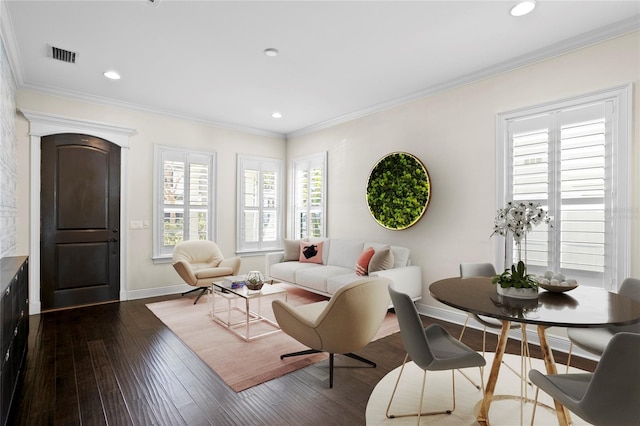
344,324
200,262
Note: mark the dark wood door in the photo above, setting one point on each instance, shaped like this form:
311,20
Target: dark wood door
80,216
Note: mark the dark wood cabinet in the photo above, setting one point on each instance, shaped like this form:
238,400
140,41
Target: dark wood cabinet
14,314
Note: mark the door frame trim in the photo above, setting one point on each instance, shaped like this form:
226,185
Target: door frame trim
45,124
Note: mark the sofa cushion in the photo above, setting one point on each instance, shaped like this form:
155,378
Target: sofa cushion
336,282
286,271
400,256
213,272
344,253
311,252
291,250
362,264
382,259
326,247
316,278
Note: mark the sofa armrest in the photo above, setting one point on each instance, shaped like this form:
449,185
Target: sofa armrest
407,280
272,259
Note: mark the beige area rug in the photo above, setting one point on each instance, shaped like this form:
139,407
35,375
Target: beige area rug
437,396
234,359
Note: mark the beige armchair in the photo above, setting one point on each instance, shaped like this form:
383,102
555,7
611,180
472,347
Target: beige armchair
199,263
345,323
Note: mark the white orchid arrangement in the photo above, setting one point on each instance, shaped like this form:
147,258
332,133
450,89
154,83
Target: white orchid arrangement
518,218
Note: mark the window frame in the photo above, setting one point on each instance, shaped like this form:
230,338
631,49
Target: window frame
260,246
160,253
297,164
618,266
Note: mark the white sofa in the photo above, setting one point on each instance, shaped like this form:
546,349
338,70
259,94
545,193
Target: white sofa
339,259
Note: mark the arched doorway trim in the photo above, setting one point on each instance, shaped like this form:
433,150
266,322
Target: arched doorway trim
43,124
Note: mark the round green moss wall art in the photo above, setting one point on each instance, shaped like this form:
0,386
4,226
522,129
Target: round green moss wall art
398,190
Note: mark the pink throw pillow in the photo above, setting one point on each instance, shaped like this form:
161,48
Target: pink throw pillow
310,252
362,264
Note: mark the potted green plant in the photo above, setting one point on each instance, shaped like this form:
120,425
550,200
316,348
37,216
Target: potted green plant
254,280
515,282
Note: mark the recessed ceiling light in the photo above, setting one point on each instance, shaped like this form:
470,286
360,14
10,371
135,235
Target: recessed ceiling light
276,115
523,8
112,75
271,52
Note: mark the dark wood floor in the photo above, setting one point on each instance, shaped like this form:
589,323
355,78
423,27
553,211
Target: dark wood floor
118,364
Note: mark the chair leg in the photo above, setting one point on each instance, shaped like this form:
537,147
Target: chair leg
202,291
361,359
420,412
569,356
330,371
535,404
191,291
464,327
523,353
305,352
393,393
331,358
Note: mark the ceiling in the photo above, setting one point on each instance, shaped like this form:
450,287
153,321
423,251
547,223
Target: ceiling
203,60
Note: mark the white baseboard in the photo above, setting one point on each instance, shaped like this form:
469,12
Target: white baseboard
158,291
557,343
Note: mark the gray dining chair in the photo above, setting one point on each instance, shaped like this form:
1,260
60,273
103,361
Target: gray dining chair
595,340
431,349
609,395
470,270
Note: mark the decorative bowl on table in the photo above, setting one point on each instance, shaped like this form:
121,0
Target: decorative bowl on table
558,288
556,283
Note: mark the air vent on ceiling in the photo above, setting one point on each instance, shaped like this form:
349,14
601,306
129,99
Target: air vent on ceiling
62,54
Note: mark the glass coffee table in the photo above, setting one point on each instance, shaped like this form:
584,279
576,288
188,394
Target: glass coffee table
227,314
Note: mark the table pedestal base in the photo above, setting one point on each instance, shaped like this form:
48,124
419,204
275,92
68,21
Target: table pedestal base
562,414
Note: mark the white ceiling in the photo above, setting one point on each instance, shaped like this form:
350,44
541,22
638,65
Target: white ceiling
204,60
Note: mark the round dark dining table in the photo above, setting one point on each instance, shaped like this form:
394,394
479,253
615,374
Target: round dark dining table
581,307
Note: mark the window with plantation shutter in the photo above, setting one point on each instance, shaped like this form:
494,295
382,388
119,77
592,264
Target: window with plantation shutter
309,195
573,158
260,213
183,198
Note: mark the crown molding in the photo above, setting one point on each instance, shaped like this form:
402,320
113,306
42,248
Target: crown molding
136,107
42,124
575,43
599,35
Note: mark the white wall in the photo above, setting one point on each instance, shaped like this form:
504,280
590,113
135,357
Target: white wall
453,133
143,278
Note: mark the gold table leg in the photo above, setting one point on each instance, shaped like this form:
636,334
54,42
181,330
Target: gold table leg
483,415
550,364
